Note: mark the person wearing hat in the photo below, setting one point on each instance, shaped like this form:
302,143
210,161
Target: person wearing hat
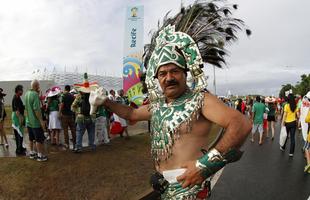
2,118
84,121
271,117
34,122
18,119
54,124
181,118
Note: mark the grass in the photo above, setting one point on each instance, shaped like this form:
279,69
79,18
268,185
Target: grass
116,172
119,171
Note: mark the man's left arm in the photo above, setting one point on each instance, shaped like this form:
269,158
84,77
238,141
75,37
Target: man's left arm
237,127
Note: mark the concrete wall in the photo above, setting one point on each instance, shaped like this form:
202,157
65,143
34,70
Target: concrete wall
9,88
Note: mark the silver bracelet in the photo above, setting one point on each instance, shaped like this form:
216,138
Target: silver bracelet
199,165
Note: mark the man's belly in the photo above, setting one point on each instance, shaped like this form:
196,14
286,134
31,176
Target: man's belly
187,148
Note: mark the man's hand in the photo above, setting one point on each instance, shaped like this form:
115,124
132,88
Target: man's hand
43,125
59,115
97,98
192,176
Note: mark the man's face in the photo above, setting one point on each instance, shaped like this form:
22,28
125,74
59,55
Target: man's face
172,80
36,87
20,92
121,93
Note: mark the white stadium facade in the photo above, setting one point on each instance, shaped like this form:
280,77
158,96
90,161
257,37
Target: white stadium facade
69,78
60,79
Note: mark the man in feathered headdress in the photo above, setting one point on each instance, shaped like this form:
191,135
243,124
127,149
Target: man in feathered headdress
181,115
181,118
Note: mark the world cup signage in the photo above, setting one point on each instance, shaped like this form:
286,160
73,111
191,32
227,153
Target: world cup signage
133,50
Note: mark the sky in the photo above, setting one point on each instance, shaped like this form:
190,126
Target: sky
88,35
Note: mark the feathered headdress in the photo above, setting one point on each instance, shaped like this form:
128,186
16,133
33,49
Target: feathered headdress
211,26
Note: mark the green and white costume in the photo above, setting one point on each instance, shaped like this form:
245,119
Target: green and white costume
168,117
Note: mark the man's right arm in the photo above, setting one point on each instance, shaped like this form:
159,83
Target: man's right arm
37,111
140,114
253,113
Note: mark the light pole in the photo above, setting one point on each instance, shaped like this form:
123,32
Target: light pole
214,80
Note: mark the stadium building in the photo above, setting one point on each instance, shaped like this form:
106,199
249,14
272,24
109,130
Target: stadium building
69,78
55,78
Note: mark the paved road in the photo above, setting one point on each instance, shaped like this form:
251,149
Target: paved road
266,173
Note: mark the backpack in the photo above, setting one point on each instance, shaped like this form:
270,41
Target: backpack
85,106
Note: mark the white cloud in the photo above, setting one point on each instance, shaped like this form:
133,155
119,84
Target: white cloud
89,35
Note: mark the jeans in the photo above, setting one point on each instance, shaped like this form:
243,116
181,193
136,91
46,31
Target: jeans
88,125
290,129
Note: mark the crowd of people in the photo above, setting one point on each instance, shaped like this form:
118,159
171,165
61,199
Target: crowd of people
46,117
58,111
291,112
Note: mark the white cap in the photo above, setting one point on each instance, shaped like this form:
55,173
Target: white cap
308,95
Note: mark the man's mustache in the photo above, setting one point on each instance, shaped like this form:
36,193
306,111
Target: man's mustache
171,83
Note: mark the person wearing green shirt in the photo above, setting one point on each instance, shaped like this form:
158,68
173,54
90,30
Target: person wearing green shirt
101,126
54,124
258,111
34,122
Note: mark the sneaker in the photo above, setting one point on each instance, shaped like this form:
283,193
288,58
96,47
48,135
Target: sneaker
6,145
33,156
42,158
290,155
281,148
77,150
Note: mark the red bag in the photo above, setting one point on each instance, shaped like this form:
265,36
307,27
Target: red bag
116,128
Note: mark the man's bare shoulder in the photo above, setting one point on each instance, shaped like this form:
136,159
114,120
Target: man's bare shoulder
215,110
209,98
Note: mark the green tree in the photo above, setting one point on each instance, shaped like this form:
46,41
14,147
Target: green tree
286,88
303,86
